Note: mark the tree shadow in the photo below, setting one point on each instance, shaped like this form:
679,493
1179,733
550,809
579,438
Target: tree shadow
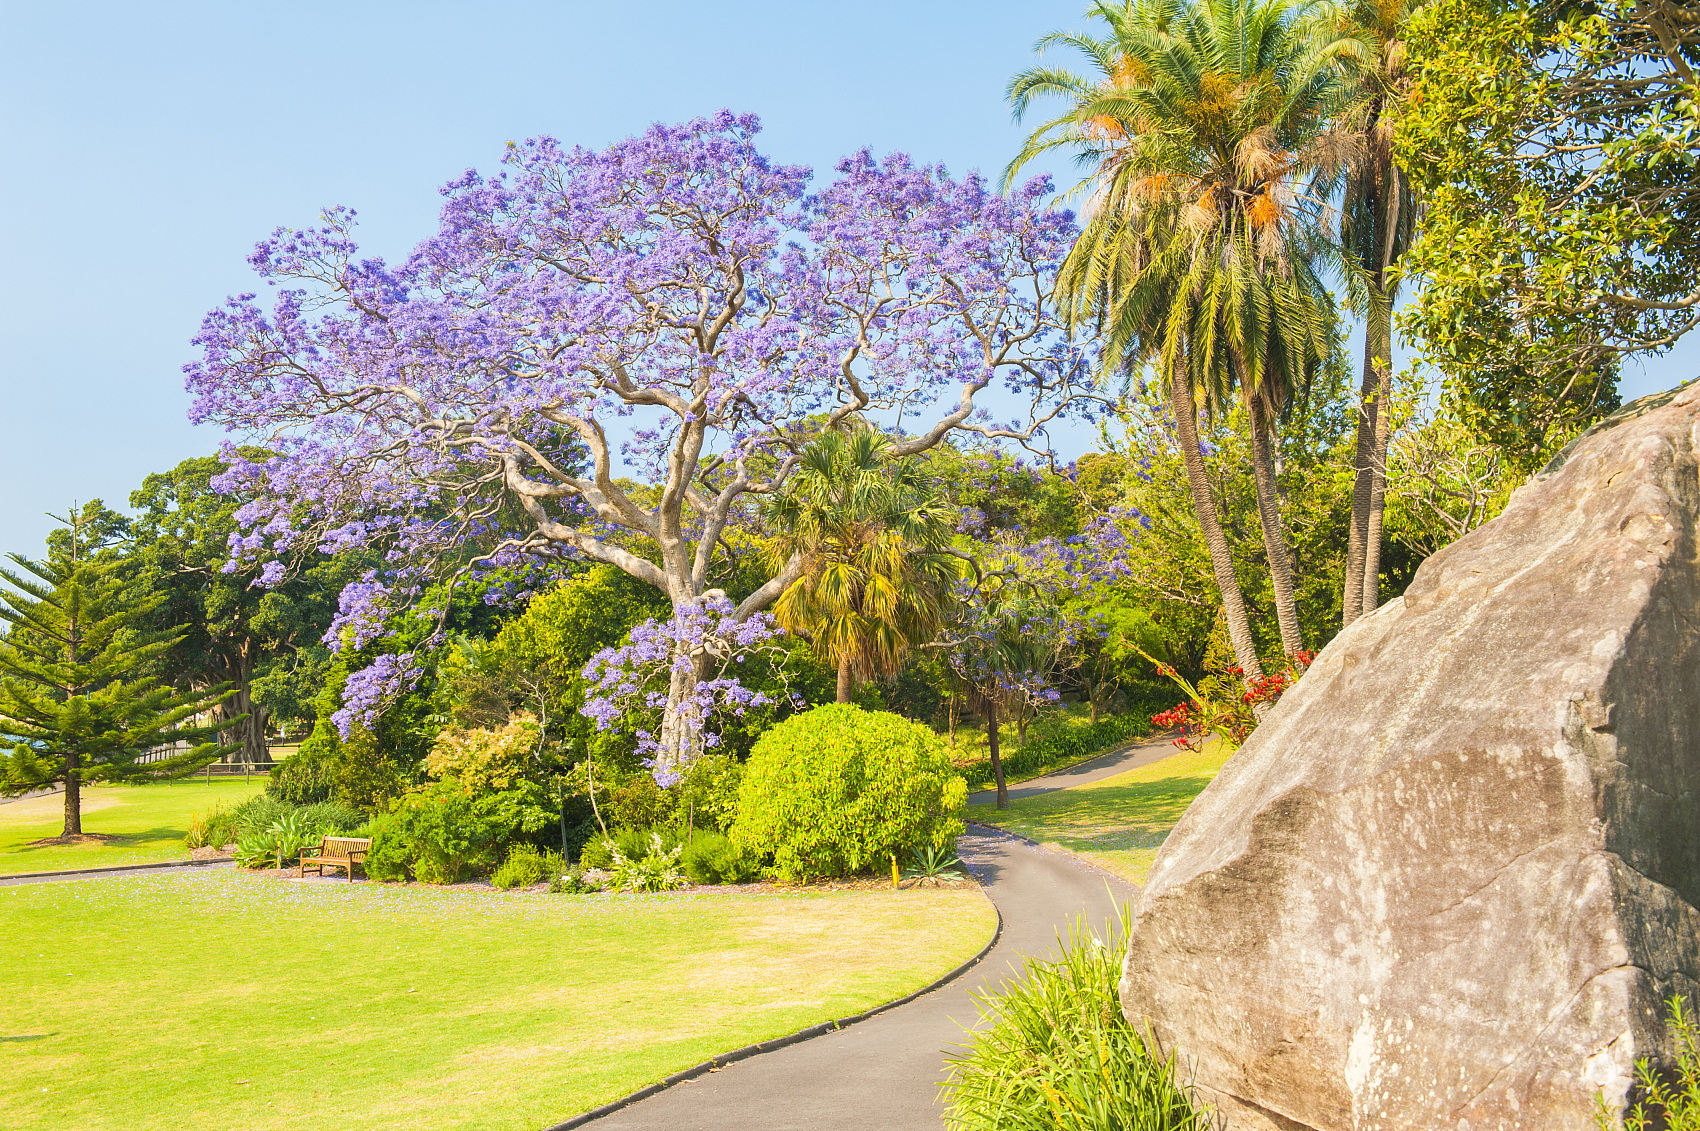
26,1037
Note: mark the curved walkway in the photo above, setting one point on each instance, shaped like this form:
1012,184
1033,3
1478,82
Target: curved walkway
883,1074
1140,752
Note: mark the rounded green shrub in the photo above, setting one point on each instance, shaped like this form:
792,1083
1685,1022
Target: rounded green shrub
838,790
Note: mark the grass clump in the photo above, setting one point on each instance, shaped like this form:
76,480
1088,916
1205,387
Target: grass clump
1056,1054
526,864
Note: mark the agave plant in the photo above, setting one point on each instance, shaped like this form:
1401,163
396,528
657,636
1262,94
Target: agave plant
929,865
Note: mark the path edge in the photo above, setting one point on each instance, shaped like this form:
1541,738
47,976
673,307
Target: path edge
778,1043
158,867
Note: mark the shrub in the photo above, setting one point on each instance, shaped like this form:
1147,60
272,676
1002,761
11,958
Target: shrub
837,789
441,830
257,814
656,870
526,865
216,828
331,818
641,804
306,778
486,760
710,859
1055,1051
634,844
708,792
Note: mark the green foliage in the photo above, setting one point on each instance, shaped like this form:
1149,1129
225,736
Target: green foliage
369,769
231,631
707,793
656,869
526,864
331,818
1056,1053
216,827
440,831
278,844
642,804
306,777
1668,1101
1555,144
488,759
633,843
710,859
1053,747
257,814
75,693
837,789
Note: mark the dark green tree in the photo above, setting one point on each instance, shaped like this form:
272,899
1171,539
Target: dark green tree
77,702
229,630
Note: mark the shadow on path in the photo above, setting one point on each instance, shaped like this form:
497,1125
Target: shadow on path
1141,752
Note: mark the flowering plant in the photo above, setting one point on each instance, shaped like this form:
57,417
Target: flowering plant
1223,703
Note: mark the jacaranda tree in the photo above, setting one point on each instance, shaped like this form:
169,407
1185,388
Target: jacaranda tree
464,409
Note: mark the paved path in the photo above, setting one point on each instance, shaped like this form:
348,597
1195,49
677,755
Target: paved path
1123,758
882,1074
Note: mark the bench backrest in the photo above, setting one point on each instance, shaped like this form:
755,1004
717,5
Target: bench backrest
345,847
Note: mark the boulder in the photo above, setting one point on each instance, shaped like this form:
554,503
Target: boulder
1452,878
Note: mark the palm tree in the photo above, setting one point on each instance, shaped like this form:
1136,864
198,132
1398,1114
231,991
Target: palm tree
1203,130
872,539
1378,221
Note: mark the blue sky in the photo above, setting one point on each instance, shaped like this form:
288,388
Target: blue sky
153,144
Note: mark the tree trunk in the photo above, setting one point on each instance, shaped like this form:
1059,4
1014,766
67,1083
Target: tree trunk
1092,702
680,740
950,715
846,684
997,760
1352,597
1233,601
1378,487
1274,537
73,796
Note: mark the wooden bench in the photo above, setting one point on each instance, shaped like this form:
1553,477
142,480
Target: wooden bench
336,852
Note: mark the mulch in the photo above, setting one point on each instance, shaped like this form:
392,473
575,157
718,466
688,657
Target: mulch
75,838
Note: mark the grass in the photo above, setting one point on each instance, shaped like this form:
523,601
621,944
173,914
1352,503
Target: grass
1119,822
151,820
201,1000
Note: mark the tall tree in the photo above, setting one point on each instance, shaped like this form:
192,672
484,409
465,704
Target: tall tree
76,703
1378,222
873,542
1554,143
229,630
680,278
1203,128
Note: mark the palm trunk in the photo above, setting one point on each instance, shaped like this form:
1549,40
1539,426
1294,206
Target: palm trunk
1274,538
1233,601
997,760
1378,489
73,796
1352,597
846,683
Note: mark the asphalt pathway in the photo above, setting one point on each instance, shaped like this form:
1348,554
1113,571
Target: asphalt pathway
1131,756
883,1073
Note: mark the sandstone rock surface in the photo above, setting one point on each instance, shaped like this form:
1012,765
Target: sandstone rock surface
1451,879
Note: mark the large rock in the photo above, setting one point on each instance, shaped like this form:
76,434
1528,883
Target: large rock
1450,880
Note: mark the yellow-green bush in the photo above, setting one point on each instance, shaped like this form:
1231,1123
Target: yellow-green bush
838,790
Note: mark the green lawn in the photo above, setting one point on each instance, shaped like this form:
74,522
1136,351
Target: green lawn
152,820
208,1000
1119,822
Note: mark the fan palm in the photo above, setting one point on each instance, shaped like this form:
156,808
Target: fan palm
872,539
1202,131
